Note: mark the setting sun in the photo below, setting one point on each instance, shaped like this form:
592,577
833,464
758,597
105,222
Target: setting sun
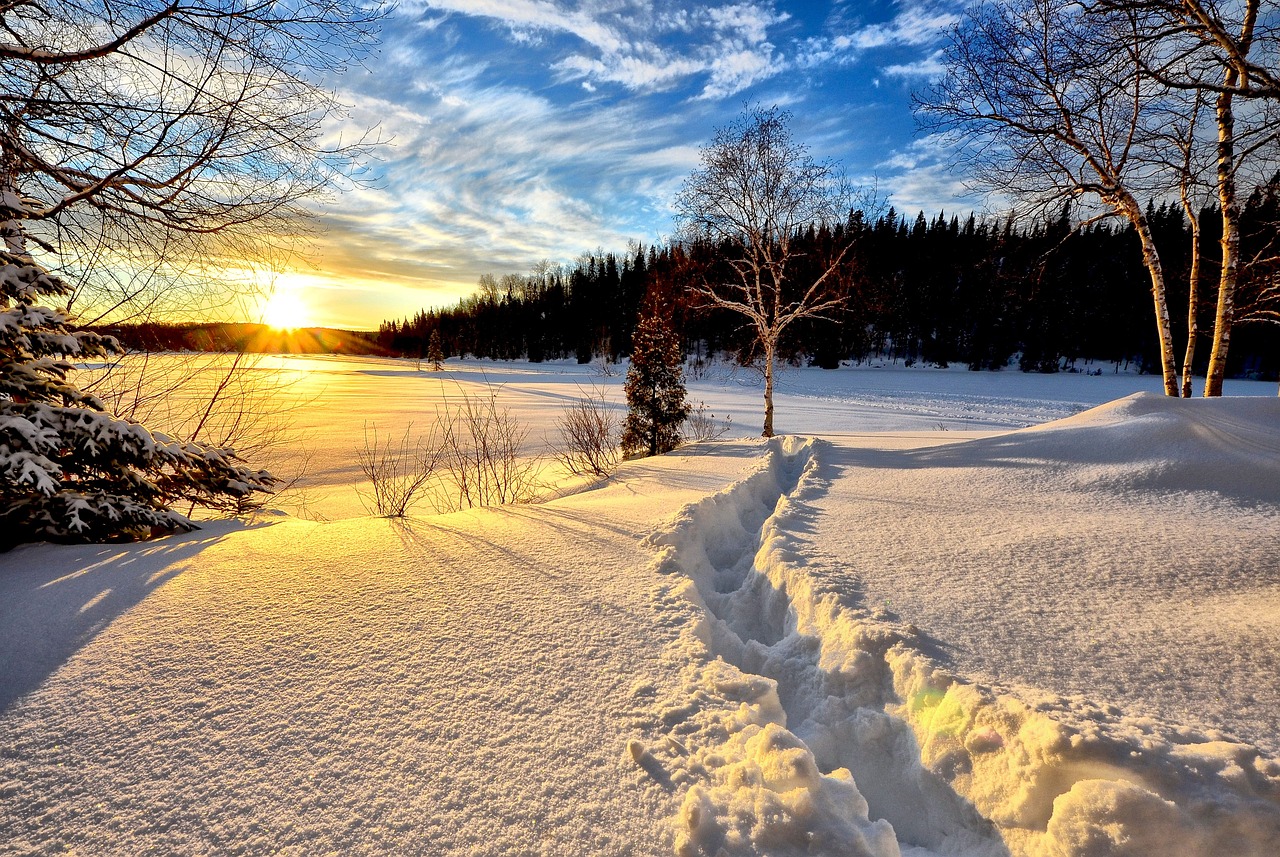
285,310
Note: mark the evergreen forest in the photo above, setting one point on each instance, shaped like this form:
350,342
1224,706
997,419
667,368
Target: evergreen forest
980,292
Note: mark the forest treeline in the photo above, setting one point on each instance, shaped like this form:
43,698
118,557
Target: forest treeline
974,291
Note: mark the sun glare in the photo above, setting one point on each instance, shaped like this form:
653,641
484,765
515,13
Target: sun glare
285,310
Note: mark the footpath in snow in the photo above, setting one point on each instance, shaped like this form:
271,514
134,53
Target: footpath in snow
812,722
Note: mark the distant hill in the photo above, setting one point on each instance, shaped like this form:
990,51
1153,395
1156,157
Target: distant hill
242,336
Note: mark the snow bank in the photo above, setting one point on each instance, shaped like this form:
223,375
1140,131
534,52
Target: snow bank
1149,442
789,672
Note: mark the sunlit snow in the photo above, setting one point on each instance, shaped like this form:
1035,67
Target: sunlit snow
911,626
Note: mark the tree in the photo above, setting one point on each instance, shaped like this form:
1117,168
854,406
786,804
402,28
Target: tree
1229,50
1050,101
656,404
69,471
1191,194
434,352
161,139
147,144
756,192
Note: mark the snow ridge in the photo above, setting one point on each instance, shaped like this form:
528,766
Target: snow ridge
808,724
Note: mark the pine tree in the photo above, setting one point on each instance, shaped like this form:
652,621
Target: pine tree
656,404
70,471
434,352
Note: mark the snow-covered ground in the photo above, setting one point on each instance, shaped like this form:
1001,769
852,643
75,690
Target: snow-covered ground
908,628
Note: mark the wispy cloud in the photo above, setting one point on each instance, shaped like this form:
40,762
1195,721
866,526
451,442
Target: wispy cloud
920,178
530,129
489,178
928,68
915,24
623,44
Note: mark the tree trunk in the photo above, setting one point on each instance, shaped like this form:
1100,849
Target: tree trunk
768,390
1193,306
1230,240
1151,258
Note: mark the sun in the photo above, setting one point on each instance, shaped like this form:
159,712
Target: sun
285,310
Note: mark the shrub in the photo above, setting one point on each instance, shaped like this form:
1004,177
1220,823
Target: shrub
589,434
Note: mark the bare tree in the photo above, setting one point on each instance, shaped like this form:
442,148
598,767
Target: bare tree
756,189
1232,51
1047,103
590,429
146,144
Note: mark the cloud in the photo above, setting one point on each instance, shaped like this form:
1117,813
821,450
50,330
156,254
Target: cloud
916,24
532,129
642,47
525,16
929,68
749,22
920,177
485,177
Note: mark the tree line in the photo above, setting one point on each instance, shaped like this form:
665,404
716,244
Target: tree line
981,292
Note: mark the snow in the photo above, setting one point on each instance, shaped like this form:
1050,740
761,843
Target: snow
914,629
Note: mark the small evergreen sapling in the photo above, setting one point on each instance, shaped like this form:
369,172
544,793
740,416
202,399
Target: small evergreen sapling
656,404
70,471
435,355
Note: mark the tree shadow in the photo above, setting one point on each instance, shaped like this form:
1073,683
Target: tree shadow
54,599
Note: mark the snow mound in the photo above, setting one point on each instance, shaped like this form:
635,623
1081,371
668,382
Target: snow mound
1149,442
809,725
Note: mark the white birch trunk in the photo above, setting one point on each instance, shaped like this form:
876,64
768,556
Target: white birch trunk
1230,204
1151,258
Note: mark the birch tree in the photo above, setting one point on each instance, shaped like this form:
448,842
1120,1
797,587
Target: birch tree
1185,139
756,189
1231,51
1046,102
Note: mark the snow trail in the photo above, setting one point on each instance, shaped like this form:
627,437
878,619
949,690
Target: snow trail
760,786
810,724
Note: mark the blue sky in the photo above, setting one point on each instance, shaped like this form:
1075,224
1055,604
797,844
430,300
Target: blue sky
522,130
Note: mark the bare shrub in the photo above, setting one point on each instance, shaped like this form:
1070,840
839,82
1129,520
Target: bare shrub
478,447
589,434
397,469
604,367
702,425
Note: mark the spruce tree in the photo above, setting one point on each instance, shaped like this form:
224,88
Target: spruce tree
656,404
434,352
70,471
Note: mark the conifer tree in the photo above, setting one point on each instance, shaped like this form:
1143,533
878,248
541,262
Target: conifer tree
434,352
70,471
656,404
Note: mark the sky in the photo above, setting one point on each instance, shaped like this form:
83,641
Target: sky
524,130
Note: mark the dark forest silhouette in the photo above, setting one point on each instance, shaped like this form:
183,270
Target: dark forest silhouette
972,291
